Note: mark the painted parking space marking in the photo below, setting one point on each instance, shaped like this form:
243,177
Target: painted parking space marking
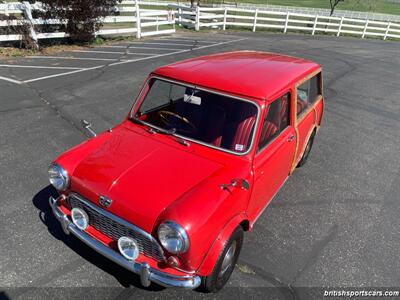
177,52
188,39
154,48
62,74
40,67
112,52
10,80
96,51
150,43
73,58
108,56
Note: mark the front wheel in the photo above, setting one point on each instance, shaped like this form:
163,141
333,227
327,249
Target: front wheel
225,264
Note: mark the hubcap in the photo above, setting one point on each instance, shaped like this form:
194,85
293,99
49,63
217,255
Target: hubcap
228,259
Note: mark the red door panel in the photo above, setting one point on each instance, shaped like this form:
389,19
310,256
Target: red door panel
271,167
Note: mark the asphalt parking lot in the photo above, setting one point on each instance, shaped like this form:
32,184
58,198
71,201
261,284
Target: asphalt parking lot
334,223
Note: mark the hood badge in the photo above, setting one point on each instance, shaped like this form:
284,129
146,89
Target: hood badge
105,201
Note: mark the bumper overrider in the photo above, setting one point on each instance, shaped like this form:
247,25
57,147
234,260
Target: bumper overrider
146,273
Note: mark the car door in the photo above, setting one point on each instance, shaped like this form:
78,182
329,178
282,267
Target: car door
308,98
275,154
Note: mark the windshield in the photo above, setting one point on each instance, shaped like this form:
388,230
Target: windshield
202,116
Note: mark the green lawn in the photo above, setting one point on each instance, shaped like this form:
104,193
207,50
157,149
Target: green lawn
378,6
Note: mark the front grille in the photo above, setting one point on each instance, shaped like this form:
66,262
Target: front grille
115,227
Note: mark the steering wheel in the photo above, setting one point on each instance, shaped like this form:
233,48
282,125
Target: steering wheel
166,117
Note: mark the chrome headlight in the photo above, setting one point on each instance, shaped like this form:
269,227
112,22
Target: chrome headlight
173,237
58,177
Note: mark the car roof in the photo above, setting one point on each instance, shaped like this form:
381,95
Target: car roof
252,74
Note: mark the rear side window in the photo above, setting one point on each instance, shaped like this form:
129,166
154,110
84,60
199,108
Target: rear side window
277,119
308,92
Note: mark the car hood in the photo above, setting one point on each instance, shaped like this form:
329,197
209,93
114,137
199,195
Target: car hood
140,174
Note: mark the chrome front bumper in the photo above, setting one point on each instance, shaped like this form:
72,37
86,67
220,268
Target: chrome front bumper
146,273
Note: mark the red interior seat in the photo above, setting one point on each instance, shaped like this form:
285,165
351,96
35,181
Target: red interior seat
244,130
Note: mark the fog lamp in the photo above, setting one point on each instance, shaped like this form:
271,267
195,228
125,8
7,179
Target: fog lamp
80,218
128,247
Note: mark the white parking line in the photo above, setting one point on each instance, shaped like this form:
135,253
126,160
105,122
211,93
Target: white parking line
73,58
135,47
10,80
133,60
103,52
111,52
188,39
62,74
40,67
154,48
147,43
176,52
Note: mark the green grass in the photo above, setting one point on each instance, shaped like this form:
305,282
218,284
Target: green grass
377,6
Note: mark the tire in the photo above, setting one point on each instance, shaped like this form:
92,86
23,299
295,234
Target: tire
307,151
219,277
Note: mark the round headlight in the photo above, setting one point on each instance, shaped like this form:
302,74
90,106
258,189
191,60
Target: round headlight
58,177
80,218
173,237
128,247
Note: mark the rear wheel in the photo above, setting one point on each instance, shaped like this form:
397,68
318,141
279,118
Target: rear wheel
307,150
225,264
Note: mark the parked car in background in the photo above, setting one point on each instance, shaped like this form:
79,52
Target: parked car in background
209,141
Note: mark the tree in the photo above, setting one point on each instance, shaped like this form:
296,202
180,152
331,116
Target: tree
193,1
83,18
333,4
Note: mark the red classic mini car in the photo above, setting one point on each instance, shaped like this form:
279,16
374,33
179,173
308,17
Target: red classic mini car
207,144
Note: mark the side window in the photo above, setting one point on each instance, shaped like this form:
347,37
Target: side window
277,119
308,93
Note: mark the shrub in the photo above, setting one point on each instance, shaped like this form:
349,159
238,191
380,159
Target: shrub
82,16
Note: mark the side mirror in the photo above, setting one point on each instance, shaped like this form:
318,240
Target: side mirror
88,126
238,183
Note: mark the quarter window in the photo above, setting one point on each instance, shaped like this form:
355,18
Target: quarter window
308,93
277,119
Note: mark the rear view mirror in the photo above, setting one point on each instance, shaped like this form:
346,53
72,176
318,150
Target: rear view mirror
88,126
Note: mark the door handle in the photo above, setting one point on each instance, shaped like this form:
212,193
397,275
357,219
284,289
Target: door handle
291,138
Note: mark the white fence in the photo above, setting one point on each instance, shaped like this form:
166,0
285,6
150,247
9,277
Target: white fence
318,11
151,18
223,17
145,18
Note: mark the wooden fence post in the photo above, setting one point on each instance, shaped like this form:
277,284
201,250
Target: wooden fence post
225,13
255,20
197,23
340,26
315,24
138,23
286,22
27,8
387,31
365,28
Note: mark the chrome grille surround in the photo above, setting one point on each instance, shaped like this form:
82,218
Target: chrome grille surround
115,227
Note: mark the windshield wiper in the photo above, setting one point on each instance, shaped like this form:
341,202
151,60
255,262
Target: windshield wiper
172,132
138,121
150,129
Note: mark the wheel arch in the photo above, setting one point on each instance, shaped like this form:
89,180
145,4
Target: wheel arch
208,263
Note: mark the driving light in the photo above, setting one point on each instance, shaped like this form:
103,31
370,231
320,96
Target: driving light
58,177
128,247
173,237
80,218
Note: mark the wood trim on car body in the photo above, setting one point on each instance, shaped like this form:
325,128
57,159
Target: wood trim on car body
298,119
